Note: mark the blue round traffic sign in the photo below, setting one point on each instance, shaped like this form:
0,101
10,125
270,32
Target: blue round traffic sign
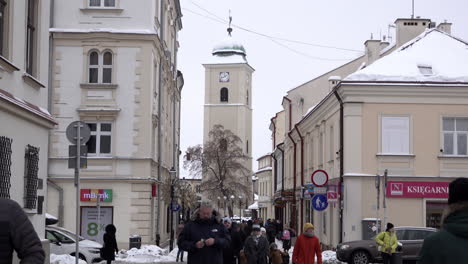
319,202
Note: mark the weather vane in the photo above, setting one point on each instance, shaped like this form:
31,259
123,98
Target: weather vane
229,30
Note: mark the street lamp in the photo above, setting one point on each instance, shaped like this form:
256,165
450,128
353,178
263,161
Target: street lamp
172,174
224,206
219,198
240,208
232,204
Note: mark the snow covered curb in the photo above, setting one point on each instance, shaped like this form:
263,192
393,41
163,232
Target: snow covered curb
146,254
63,259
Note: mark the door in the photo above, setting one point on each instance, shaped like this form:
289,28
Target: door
55,244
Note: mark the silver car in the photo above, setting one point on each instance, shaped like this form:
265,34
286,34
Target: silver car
62,242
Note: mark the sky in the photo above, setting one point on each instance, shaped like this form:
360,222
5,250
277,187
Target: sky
284,42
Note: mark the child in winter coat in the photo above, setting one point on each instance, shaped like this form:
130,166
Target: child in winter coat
276,255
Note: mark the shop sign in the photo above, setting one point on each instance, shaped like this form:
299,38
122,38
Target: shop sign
417,189
94,222
262,205
332,196
280,203
91,195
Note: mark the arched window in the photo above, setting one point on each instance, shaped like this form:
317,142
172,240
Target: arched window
224,94
100,67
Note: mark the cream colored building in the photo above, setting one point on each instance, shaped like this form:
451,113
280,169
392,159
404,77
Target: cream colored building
313,141
24,119
114,67
265,187
228,95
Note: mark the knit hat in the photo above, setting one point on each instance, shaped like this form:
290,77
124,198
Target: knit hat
262,229
458,191
389,226
307,226
227,219
256,228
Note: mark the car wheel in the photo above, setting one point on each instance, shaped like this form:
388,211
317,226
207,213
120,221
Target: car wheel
360,257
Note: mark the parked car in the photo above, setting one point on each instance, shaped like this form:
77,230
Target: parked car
365,251
62,242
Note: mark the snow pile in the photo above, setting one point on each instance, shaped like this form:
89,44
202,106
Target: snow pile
329,257
63,259
146,254
433,56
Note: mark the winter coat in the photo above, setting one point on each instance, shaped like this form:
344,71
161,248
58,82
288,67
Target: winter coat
18,234
271,232
199,229
256,249
387,240
110,244
450,245
276,256
228,252
305,250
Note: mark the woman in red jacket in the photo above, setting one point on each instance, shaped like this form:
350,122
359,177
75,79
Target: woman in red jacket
307,246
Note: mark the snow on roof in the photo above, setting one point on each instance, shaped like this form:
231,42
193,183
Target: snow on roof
433,56
334,78
310,110
103,30
232,59
229,44
264,169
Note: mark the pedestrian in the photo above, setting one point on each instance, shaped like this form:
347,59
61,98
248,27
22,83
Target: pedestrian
236,241
256,247
180,252
286,238
18,234
450,244
277,256
388,243
263,232
279,229
271,232
110,244
228,252
307,247
204,238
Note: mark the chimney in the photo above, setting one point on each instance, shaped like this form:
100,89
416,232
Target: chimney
384,43
333,81
445,27
372,50
409,28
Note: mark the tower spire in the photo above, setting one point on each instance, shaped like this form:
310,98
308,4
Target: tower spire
229,30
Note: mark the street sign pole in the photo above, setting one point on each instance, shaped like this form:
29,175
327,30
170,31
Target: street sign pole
77,185
384,197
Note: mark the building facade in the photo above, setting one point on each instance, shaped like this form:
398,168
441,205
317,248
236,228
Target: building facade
322,144
24,88
265,187
114,67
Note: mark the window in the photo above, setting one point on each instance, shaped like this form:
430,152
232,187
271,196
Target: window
417,234
247,98
224,94
31,167
395,134
5,166
100,140
31,37
455,133
100,67
3,26
247,147
102,3
332,144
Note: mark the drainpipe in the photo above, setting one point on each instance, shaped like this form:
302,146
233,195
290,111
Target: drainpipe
341,203
302,174
294,182
160,102
60,207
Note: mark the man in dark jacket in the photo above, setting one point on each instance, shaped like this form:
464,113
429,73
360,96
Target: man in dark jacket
17,233
256,247
451,243
204,238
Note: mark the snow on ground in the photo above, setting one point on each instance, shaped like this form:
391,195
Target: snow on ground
328,256
146,254
63,259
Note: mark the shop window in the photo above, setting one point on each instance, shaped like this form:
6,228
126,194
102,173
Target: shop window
455,134
5,166
31,167
395,137
100,67
224,94
100,141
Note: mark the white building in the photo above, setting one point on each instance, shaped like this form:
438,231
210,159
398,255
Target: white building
24,120
115,68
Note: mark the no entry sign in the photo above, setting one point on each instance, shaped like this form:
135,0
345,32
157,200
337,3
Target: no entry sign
319,178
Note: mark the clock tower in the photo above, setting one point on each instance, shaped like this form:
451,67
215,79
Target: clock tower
228,93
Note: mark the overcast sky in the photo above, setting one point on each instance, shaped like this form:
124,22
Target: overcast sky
282,65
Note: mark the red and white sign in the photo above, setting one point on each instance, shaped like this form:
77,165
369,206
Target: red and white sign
319,178
332,196
417,189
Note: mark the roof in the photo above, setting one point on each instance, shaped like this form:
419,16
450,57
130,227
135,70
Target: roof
34,109
229,46
433,56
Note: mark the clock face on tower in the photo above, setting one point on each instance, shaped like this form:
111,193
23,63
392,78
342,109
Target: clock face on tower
224,76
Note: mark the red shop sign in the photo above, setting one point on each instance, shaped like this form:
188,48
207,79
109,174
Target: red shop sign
417,189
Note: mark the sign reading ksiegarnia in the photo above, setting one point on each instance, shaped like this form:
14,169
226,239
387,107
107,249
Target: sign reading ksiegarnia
93,228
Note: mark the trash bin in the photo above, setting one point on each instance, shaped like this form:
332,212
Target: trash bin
135,242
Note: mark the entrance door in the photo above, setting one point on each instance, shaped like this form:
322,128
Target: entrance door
434,211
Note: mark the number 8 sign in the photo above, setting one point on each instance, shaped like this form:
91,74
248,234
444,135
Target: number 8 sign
319,178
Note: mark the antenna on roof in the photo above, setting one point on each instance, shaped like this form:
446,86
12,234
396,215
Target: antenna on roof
412,14
229,30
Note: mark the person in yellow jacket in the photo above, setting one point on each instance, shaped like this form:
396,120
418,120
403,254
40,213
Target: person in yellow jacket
388,243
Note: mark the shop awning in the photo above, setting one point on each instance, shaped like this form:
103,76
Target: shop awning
253,206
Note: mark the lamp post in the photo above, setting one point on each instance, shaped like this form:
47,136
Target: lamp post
219,198
224,206
240,208
232,205
172,174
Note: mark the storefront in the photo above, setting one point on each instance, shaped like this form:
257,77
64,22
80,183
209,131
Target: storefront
96,216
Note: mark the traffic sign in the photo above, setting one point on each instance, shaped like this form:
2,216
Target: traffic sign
332,196
175,207
72,132
319,178
319,202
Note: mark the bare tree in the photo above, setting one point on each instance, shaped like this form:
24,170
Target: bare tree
221,162
183,193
